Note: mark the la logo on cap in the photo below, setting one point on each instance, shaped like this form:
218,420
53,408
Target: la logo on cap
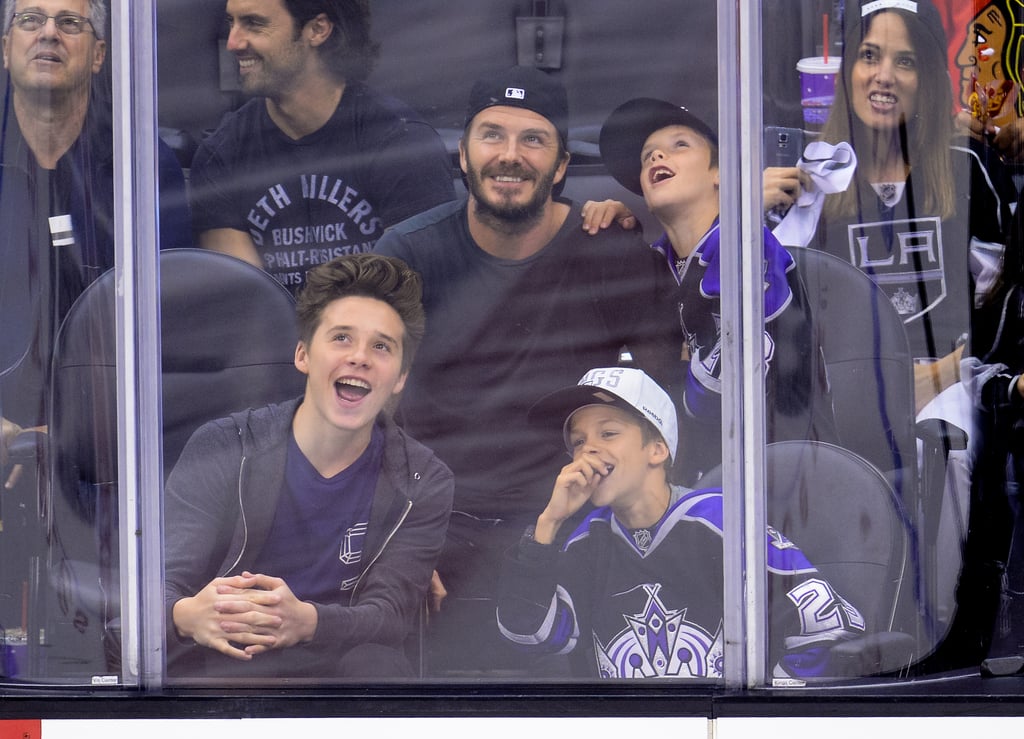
517,93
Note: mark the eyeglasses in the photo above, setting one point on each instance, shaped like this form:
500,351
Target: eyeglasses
71,24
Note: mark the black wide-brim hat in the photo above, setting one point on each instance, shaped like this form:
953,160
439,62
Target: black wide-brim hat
627,128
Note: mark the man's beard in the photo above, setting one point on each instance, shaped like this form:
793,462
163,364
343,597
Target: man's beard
274,77
502,215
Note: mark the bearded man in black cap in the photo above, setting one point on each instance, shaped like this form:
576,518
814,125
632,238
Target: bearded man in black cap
519,301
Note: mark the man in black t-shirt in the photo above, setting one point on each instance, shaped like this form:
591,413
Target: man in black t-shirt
520,301
318,164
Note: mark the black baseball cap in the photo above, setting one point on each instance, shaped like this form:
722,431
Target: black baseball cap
627,128
523,87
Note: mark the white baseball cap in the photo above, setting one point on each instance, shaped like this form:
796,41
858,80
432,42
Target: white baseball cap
624,387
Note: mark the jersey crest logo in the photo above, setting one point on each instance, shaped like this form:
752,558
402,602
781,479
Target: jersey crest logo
905,303
661,643
905,259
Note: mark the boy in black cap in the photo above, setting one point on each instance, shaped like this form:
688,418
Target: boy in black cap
517,305
636,591
669,156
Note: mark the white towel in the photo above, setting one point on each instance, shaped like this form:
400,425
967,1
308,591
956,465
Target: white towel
831,170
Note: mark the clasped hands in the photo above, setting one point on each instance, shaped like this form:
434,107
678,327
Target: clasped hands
245,615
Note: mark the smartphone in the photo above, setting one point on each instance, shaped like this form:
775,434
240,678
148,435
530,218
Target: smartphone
782,146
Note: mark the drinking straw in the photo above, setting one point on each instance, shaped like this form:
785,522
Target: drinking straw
824,34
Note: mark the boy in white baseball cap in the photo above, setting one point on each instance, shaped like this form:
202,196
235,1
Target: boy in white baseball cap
620,428
636,590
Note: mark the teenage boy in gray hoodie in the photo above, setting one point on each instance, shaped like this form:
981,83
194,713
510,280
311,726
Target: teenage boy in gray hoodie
301,537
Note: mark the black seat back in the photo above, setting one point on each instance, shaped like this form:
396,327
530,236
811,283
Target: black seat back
870,368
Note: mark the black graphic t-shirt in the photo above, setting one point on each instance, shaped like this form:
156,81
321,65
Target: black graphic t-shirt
333,192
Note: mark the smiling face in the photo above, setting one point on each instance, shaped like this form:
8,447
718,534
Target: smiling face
884,79
48,61
512,160
353,366
614,439
273,56
676,173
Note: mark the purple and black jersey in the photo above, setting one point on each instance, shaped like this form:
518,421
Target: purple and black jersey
796,384
623,612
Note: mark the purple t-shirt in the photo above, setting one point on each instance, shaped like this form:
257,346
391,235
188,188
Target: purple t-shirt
316,541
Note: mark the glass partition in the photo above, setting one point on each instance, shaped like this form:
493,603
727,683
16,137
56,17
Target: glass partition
524,306
58,394
890,177
246,459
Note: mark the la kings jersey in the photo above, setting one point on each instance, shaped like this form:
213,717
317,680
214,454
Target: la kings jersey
930,268
798,397
624,613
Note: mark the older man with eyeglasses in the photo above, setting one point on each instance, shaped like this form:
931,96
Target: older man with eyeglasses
52,50
56,234
51,65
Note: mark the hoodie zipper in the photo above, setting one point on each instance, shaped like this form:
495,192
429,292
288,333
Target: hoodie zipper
387,540
241,512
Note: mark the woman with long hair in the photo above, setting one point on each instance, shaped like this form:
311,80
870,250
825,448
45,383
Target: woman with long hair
924,215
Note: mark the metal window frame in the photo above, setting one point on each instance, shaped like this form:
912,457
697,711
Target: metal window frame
743,406
133,49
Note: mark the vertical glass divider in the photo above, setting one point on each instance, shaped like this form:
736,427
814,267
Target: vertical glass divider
743,411
133,56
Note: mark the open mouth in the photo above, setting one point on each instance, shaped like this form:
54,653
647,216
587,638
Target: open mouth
507,174
660,174
352,389
883,98
509,180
